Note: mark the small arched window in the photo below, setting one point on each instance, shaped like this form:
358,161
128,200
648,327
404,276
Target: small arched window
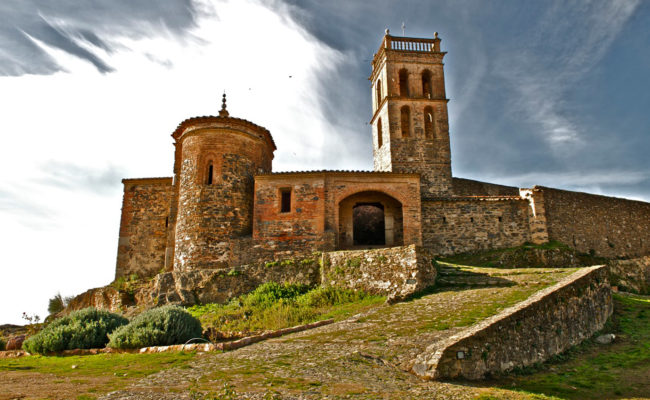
380,134
378,92
426,84
429,125
403,83
405,119
209,174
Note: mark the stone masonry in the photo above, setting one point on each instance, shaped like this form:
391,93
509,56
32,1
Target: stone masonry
224,207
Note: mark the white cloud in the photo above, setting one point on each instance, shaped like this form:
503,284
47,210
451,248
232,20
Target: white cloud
70,132
578,36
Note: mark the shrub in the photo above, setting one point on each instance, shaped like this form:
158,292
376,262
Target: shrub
3,344
83,329
57,303
160,326
267,294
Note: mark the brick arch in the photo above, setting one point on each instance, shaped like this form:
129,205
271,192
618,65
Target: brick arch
371,188
391,225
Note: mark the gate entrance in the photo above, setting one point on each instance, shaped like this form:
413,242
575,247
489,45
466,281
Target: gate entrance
368,224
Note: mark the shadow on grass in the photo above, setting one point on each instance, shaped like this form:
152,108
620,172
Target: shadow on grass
475,280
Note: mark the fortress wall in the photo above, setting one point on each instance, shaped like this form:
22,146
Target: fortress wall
546,324
470,224
143,227
608,226
631,275
469,187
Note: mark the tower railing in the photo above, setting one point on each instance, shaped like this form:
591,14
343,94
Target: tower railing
409,44
400,43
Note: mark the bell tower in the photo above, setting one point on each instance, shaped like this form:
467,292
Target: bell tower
410,126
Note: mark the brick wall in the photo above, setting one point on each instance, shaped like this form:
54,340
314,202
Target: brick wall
143,227
609,226
463,225
317,198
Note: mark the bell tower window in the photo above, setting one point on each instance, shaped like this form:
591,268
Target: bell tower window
429,127
426,84
405,116
403,83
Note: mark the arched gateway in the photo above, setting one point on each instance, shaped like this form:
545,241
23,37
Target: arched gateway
370,219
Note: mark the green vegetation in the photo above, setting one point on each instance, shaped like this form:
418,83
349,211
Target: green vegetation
99,373
160,326
518,257
274,306
593,371
57,303
3,344
83,329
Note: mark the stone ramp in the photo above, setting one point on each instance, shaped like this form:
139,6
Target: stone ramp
368,354
545,324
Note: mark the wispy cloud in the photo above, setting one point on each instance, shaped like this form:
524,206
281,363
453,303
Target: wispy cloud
567,43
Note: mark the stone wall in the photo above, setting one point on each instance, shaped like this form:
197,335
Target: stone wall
211,212
396,272
460,225
143,227
469,187
608,226
546,324
631,275
220,285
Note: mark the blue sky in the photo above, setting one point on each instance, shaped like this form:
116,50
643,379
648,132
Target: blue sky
551,93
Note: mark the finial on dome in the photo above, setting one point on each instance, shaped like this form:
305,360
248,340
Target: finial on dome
223,112
387,31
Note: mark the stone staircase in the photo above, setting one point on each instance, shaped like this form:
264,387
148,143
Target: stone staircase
453,276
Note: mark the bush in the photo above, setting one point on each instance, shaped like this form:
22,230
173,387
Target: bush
3,344
57,303
160,326
83,329
271,292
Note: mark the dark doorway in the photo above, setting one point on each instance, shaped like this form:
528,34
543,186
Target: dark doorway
368,224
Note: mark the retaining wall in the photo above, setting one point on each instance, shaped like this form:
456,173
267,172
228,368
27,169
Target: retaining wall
396,271
546,324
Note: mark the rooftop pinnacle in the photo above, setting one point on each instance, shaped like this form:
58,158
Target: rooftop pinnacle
223,112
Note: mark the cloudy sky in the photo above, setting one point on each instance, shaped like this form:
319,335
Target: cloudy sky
542,92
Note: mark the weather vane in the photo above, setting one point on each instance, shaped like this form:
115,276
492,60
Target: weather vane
403,27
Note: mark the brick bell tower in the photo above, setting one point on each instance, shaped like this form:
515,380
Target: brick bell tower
410,125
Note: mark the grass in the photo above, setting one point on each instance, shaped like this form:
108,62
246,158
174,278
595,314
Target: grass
593,371
273,306
88,376
490,258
